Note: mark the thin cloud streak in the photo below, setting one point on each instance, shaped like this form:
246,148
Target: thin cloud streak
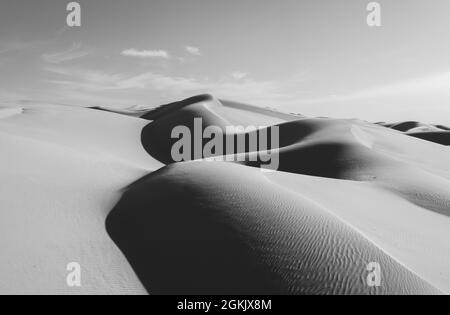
263,92
73,53
426,84
146,53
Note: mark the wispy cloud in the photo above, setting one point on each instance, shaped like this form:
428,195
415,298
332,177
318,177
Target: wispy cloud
146,53
406,88
74,52
239,75
98,80
193,50
89,79
259,92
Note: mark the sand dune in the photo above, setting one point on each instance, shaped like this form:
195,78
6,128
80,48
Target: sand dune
434,133
62,170
134,111
411,175
223,236
221,105
409,233
332,148
347,193
409,125
156,136
442,137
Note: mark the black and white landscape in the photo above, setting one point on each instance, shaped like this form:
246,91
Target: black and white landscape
103,189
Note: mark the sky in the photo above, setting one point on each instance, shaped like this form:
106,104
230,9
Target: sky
318,58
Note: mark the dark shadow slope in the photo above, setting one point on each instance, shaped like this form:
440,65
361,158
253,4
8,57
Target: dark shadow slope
433,133
218,228
436,137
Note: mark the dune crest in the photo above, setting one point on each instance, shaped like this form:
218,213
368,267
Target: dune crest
238,219
439,137
222,236
331,148
347,193
434,133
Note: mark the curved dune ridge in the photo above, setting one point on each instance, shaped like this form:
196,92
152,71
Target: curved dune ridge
331,148
347,193
434,133
194,228
440,137
157,136
237,231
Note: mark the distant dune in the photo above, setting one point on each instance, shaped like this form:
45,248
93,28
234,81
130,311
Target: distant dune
434,133
408,178
332,148
347,193
440,137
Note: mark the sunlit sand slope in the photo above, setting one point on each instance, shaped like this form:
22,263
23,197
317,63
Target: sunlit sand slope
216,228
62,170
